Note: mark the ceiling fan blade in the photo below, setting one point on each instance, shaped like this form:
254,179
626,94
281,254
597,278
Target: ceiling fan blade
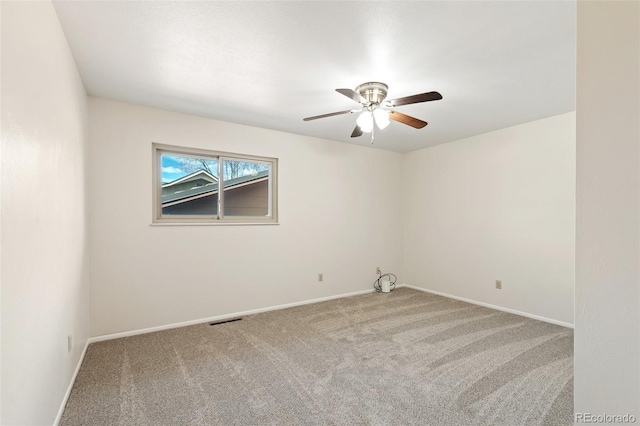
352,94
415,99
407,119
331,114
356,132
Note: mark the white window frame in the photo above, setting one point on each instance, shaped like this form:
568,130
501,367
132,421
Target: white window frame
159,219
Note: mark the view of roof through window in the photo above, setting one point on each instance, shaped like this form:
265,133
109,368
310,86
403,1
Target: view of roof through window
191,186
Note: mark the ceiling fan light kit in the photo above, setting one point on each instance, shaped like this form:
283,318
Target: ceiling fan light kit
372,97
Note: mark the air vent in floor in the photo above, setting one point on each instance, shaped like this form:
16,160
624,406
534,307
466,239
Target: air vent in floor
226,321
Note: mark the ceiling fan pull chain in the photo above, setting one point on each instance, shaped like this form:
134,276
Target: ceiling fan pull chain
373,130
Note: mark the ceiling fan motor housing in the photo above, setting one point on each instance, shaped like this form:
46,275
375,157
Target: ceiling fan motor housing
374,92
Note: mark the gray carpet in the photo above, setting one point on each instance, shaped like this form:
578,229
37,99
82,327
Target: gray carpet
404,358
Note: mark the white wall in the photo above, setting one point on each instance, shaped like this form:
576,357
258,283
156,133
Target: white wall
44,265
338,210
498,206
607,360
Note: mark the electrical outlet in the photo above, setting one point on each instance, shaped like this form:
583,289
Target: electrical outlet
320,276
499,284
69,343
378,270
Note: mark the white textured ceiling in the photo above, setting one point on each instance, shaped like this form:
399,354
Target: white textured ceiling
270,64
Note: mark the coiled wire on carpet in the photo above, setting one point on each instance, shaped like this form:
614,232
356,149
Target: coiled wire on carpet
392,282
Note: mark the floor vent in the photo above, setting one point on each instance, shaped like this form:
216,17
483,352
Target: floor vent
225,321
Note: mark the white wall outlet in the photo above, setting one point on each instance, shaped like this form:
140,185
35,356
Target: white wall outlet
499,284
69,343
378,270
320,276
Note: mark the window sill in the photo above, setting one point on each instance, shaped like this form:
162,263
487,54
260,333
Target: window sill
211,223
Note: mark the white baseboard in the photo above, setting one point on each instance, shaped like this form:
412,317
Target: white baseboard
487,305
73,380
222,317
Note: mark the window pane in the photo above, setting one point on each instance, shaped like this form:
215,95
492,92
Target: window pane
189,185
246,188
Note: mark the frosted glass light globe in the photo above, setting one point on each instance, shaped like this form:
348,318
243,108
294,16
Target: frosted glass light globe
382,118
365,122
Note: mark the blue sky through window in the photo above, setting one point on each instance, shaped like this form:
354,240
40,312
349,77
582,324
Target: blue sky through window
174,167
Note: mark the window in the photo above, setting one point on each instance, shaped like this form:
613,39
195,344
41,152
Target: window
187,183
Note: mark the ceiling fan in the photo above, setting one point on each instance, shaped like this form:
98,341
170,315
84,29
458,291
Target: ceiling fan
371,96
